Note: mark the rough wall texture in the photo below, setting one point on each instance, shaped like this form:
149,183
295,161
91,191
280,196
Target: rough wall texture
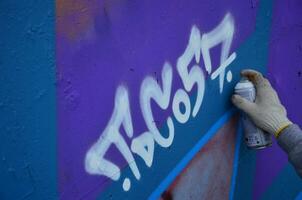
28,144
130,99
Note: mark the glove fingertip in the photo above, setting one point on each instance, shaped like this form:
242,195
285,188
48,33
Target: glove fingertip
243,104
236,99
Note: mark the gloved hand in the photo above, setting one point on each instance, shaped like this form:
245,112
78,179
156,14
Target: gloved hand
266,112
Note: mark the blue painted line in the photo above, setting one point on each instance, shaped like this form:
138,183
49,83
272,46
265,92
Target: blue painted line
188,157
299,197
236,160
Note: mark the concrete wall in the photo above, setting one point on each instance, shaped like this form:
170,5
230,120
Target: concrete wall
130,99
28,133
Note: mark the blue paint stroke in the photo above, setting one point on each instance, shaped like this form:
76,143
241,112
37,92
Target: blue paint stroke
299,197
236,160
188,157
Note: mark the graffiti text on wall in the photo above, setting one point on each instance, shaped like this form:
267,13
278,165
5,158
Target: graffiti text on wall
143,145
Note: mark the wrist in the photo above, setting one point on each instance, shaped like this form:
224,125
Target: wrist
275,124
279,126
280,130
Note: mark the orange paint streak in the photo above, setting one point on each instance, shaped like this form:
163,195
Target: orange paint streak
74,17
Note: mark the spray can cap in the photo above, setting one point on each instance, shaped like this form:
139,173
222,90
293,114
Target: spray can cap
243,84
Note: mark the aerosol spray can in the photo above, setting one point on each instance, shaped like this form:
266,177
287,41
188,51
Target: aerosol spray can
254,137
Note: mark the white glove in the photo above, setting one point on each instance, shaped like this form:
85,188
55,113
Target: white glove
266,112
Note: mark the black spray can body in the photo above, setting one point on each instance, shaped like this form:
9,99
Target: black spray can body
254,137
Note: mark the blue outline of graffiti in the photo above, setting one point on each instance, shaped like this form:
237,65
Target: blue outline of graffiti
182,164
299,197
236,160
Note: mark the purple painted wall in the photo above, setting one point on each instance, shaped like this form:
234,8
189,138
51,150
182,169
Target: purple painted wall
97,101
284,71
115,57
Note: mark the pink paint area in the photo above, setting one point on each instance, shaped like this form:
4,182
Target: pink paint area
208,175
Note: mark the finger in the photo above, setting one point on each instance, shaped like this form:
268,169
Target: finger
243,104
253,75
266,93
256,78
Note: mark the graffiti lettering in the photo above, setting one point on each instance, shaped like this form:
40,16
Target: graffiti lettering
143,145
223,33
95,163
195,75
151,90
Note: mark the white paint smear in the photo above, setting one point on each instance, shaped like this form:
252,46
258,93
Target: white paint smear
95,163
191,74
143,146
126,184
195,75
223,33
181,97
150,90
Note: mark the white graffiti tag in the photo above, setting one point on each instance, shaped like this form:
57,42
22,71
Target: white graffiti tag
191,75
